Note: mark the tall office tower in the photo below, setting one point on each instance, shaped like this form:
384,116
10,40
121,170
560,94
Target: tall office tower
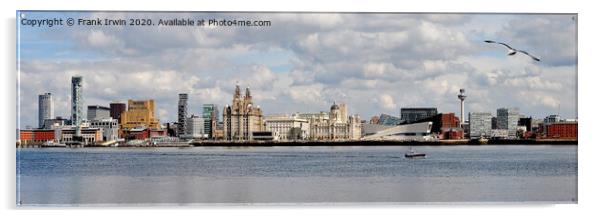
182,113
45,108
77,100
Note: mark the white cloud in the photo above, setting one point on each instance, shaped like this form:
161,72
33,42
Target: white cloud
387,101
373,62
307,95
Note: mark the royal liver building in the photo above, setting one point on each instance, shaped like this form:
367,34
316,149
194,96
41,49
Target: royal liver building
242,118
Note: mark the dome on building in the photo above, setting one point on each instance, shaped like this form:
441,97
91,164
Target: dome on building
334,106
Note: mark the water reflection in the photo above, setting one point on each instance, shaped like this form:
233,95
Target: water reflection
297,174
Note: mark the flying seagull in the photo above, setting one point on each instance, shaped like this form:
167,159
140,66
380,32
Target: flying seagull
512,51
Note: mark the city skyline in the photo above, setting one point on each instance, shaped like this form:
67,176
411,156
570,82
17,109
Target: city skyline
375,65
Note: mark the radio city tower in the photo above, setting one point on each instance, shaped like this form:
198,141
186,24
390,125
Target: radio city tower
461,96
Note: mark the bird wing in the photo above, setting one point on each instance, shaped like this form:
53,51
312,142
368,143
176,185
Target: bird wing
501,43
524,52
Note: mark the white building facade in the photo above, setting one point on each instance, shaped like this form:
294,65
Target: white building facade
287,128
109,128
407,132
242,118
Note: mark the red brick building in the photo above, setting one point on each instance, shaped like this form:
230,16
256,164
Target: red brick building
448,120
562,130
142,134
36,135
451,133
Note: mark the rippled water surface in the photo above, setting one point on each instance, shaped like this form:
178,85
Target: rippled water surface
296,174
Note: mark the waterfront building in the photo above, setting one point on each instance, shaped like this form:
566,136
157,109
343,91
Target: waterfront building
479,124
287,128
561,130
386,119
219,133
242,117
210,117
194,127
334,127
45,108
143,133
451,133
182,113
116,109
526,122
314,117
140,114
37,136
499,134
55,123
172,129
371,129
446,125
410,115
108,126
97,112
406,132
264,136
343,109
86,135
507,118
77,100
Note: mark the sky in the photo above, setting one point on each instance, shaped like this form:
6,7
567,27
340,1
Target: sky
303,62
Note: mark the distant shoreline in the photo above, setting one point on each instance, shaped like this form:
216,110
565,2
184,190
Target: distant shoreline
463,142
389,143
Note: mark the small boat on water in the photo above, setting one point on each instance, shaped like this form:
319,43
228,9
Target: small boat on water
413,154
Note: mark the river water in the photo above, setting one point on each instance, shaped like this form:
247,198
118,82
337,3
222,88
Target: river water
338,174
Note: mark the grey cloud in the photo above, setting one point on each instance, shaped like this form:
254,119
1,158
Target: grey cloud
552,37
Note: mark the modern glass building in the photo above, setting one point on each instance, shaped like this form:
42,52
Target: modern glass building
210,118
410,115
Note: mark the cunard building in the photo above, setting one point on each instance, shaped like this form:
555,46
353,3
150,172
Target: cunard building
242,118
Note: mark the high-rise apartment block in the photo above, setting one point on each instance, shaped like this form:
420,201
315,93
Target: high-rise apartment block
480,124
